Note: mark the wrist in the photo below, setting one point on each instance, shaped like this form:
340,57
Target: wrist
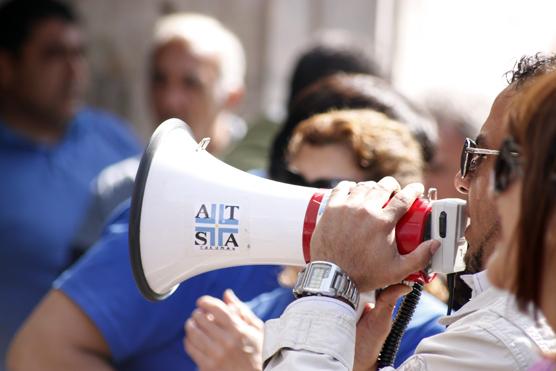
321,278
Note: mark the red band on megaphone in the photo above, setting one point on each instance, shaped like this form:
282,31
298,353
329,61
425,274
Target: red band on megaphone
309,224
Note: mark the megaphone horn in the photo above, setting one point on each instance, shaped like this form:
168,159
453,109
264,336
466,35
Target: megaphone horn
192,213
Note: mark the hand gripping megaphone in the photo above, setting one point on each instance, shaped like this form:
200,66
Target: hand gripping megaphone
192,213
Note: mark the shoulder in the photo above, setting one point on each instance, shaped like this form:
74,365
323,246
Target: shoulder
99,117
503,320
106,125
116,181
488,336
466,347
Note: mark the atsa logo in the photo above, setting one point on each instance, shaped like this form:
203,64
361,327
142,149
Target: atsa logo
217,226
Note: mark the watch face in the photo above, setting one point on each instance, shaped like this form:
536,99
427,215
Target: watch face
317,274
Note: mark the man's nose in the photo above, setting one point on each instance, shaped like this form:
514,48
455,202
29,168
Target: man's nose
75,62
175,101
461,183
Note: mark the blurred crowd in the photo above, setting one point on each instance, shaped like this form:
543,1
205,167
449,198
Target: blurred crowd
68,299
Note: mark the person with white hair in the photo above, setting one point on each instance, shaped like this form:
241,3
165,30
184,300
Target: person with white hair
197,74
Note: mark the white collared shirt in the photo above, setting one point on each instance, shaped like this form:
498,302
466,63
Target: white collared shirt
488,333
478,282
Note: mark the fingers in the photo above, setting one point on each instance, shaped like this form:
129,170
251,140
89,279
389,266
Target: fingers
340,193
379,195
222,314
374,325
195,352
374,194
388,297
205,322
231,299
359,192
402,200
241,309
418,258
198,333
377,320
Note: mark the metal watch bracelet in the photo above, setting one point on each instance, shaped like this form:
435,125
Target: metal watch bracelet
326,279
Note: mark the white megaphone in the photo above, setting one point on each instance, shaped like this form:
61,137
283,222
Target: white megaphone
192,213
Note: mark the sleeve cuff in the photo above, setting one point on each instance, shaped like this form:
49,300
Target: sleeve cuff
316,324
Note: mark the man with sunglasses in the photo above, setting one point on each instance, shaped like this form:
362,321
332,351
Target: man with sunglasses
487,333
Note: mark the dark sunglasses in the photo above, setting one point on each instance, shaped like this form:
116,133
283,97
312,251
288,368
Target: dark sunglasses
297,179
470,156
508,165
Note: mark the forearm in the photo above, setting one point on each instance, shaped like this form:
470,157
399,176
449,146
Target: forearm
48,356
58,336
305,339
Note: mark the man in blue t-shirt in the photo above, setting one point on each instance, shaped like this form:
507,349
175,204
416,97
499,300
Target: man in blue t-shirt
96,318
50,150
97,300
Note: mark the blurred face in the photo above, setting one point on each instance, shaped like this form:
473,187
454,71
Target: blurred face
503,262
186,86
484,228
326,162
440,174
47,78
548,291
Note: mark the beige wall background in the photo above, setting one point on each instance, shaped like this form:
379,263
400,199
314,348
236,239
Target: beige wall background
272,31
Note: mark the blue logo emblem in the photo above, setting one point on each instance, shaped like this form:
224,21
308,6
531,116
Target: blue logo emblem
216,227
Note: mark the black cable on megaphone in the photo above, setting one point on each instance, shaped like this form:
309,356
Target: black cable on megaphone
407,308
403,317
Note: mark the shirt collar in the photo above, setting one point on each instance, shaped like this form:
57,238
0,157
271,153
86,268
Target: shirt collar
478,282
479,285
12,138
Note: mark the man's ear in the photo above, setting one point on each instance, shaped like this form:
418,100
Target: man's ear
234,98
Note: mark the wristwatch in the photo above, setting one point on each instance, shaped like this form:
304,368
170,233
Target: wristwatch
326,279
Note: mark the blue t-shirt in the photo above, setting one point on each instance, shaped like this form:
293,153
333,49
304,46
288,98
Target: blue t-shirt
143,335
424,322
44,193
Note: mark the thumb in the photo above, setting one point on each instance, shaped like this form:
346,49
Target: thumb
374,325
418,258
375,322
241,309
386,300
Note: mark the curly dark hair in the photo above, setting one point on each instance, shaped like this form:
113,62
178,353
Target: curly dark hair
530,66
380,146
348,91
